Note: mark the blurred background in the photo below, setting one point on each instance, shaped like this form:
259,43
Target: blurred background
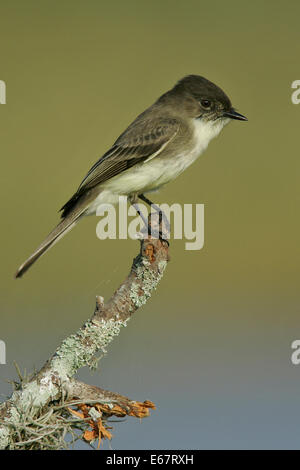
212,348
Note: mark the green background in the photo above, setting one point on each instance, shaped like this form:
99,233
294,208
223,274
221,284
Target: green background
212,347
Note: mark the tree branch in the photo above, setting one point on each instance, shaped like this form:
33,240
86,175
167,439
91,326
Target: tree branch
54,388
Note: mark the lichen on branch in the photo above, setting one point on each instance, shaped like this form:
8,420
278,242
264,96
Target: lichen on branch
37,415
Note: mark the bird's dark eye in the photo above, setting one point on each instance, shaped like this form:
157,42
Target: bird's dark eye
205,104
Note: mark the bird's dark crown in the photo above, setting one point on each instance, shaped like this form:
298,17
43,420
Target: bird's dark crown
201,88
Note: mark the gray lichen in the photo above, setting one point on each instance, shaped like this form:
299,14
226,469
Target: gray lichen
148,280
78,350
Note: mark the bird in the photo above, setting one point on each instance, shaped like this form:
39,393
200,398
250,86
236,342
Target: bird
162,142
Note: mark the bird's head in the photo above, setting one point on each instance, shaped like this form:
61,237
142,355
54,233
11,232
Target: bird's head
200,98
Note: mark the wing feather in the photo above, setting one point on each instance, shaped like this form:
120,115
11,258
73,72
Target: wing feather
140,142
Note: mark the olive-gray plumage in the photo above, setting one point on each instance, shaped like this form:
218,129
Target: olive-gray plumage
159,144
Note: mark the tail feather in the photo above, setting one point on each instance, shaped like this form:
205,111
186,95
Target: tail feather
57,233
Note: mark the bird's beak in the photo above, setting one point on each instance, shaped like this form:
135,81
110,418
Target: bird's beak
233,114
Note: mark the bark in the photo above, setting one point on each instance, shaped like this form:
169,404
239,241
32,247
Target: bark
55,384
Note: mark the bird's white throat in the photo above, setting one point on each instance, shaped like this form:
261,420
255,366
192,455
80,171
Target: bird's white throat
205,131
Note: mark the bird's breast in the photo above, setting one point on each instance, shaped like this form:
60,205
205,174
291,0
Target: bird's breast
160,170
166,168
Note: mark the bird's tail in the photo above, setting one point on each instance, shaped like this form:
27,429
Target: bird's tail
57,233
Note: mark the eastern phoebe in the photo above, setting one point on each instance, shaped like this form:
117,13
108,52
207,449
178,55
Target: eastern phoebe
159,145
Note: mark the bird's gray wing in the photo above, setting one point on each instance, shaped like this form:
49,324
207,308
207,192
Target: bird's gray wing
140,142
